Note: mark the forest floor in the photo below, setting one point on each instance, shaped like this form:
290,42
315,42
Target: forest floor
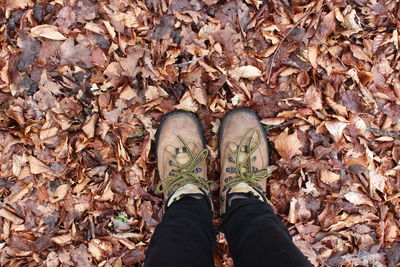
84,85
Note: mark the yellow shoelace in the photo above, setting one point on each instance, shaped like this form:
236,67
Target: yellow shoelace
184,174
249,176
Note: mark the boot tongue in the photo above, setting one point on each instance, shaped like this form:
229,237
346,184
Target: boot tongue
242,154
182,158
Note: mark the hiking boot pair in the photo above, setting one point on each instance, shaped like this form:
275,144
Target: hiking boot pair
181,157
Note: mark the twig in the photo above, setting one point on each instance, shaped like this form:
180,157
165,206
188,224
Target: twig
189,62
262,9
382,132
284,38
282,125
327,47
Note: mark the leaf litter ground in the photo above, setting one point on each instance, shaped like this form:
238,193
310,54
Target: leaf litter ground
84,84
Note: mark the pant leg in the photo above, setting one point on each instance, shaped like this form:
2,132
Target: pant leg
185,237
257,237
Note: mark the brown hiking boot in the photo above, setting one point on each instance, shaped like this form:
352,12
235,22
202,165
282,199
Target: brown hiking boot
181,157
244,156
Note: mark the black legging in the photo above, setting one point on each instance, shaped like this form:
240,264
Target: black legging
256,237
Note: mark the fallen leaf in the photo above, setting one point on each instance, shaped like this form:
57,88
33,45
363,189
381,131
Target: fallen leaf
10,216
358,198
48,31
38,167
288,145
377,181
60,193
20,4
62,240
247,72
329,177
187,103
335,128
313,98
358,53
313,56
90,125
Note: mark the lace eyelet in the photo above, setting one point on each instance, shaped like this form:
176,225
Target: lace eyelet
230,170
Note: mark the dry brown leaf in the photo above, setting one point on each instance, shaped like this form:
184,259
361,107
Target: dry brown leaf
340,109
198,94
100,249
273,121
329,177
20,194
38,167
187,103
90,26
313,56
348,21
48,31
10,216
336,128
350,220
47,133
358,53
151,93
90,125
313,98
247,72
62,240
60,193
127,93
377,181
108,194
110,29
20,4
288,145
358,198
391,232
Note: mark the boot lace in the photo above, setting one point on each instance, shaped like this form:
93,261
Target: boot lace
243,168
184,174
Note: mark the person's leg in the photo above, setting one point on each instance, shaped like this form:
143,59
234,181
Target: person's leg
257,237
185,237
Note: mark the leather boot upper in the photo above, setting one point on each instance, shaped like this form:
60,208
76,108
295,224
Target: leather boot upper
244,156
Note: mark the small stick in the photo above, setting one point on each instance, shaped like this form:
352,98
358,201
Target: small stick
189,62
382,132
